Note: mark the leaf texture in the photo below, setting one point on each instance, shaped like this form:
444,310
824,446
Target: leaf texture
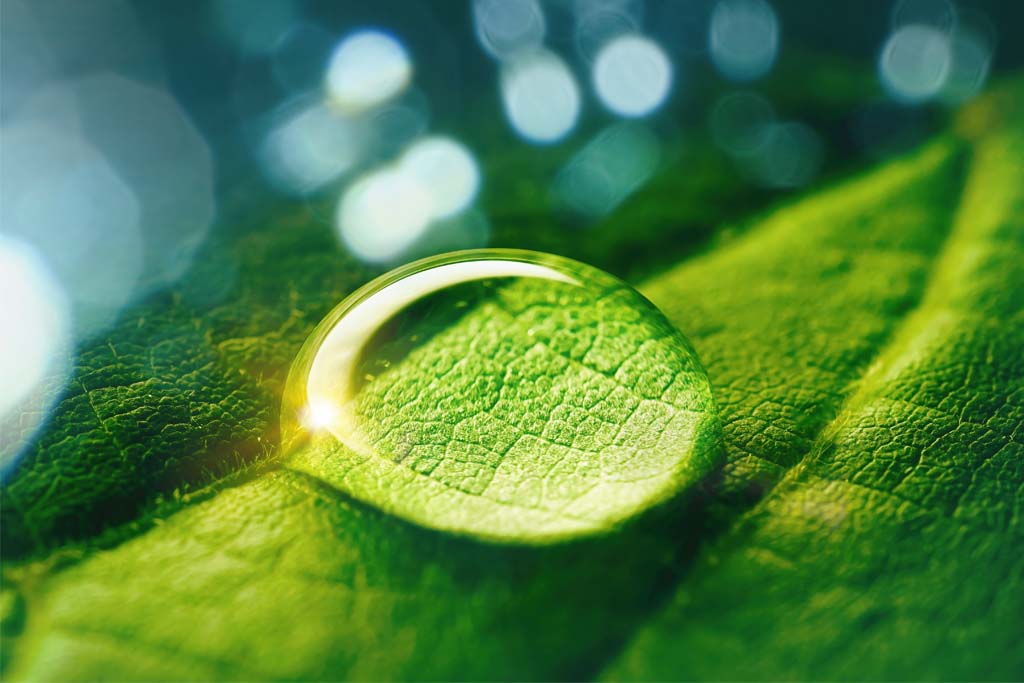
894,548
864,346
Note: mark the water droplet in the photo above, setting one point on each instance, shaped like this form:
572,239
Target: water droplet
502,394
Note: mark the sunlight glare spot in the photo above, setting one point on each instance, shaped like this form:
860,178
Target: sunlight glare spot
319,415
34,347
63,197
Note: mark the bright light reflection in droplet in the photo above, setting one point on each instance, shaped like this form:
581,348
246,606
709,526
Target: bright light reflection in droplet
34,346
383,214
310,148
632,75
915,63
505,27
744,38
541,97
608,169
971,57
468,230
740,122
447,169
791,156
319,414
366,69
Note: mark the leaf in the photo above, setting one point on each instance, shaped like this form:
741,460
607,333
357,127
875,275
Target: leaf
559,403
863,326
894,548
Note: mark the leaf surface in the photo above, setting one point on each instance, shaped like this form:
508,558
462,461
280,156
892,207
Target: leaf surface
894,548
864,347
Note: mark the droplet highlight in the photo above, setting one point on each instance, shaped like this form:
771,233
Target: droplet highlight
506,395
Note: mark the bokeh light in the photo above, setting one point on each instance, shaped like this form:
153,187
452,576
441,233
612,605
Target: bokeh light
300,57
383,214
152,144
608,169
62,196
740,122
743,38
597,22
310,147
34,347
972,46
393,126
447,169
540,96
915,62
366,69
467,230
632,75
46,42
938,14
506,27
791,156
254,27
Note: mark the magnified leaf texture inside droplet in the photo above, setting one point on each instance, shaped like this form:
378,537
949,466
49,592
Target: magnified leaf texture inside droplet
507,395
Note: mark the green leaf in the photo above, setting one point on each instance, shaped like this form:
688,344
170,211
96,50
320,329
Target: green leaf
865,350
894,546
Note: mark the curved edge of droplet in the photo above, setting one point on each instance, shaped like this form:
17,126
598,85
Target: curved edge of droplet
293,435
360,474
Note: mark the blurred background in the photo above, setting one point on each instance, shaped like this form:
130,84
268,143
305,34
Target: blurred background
141,140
